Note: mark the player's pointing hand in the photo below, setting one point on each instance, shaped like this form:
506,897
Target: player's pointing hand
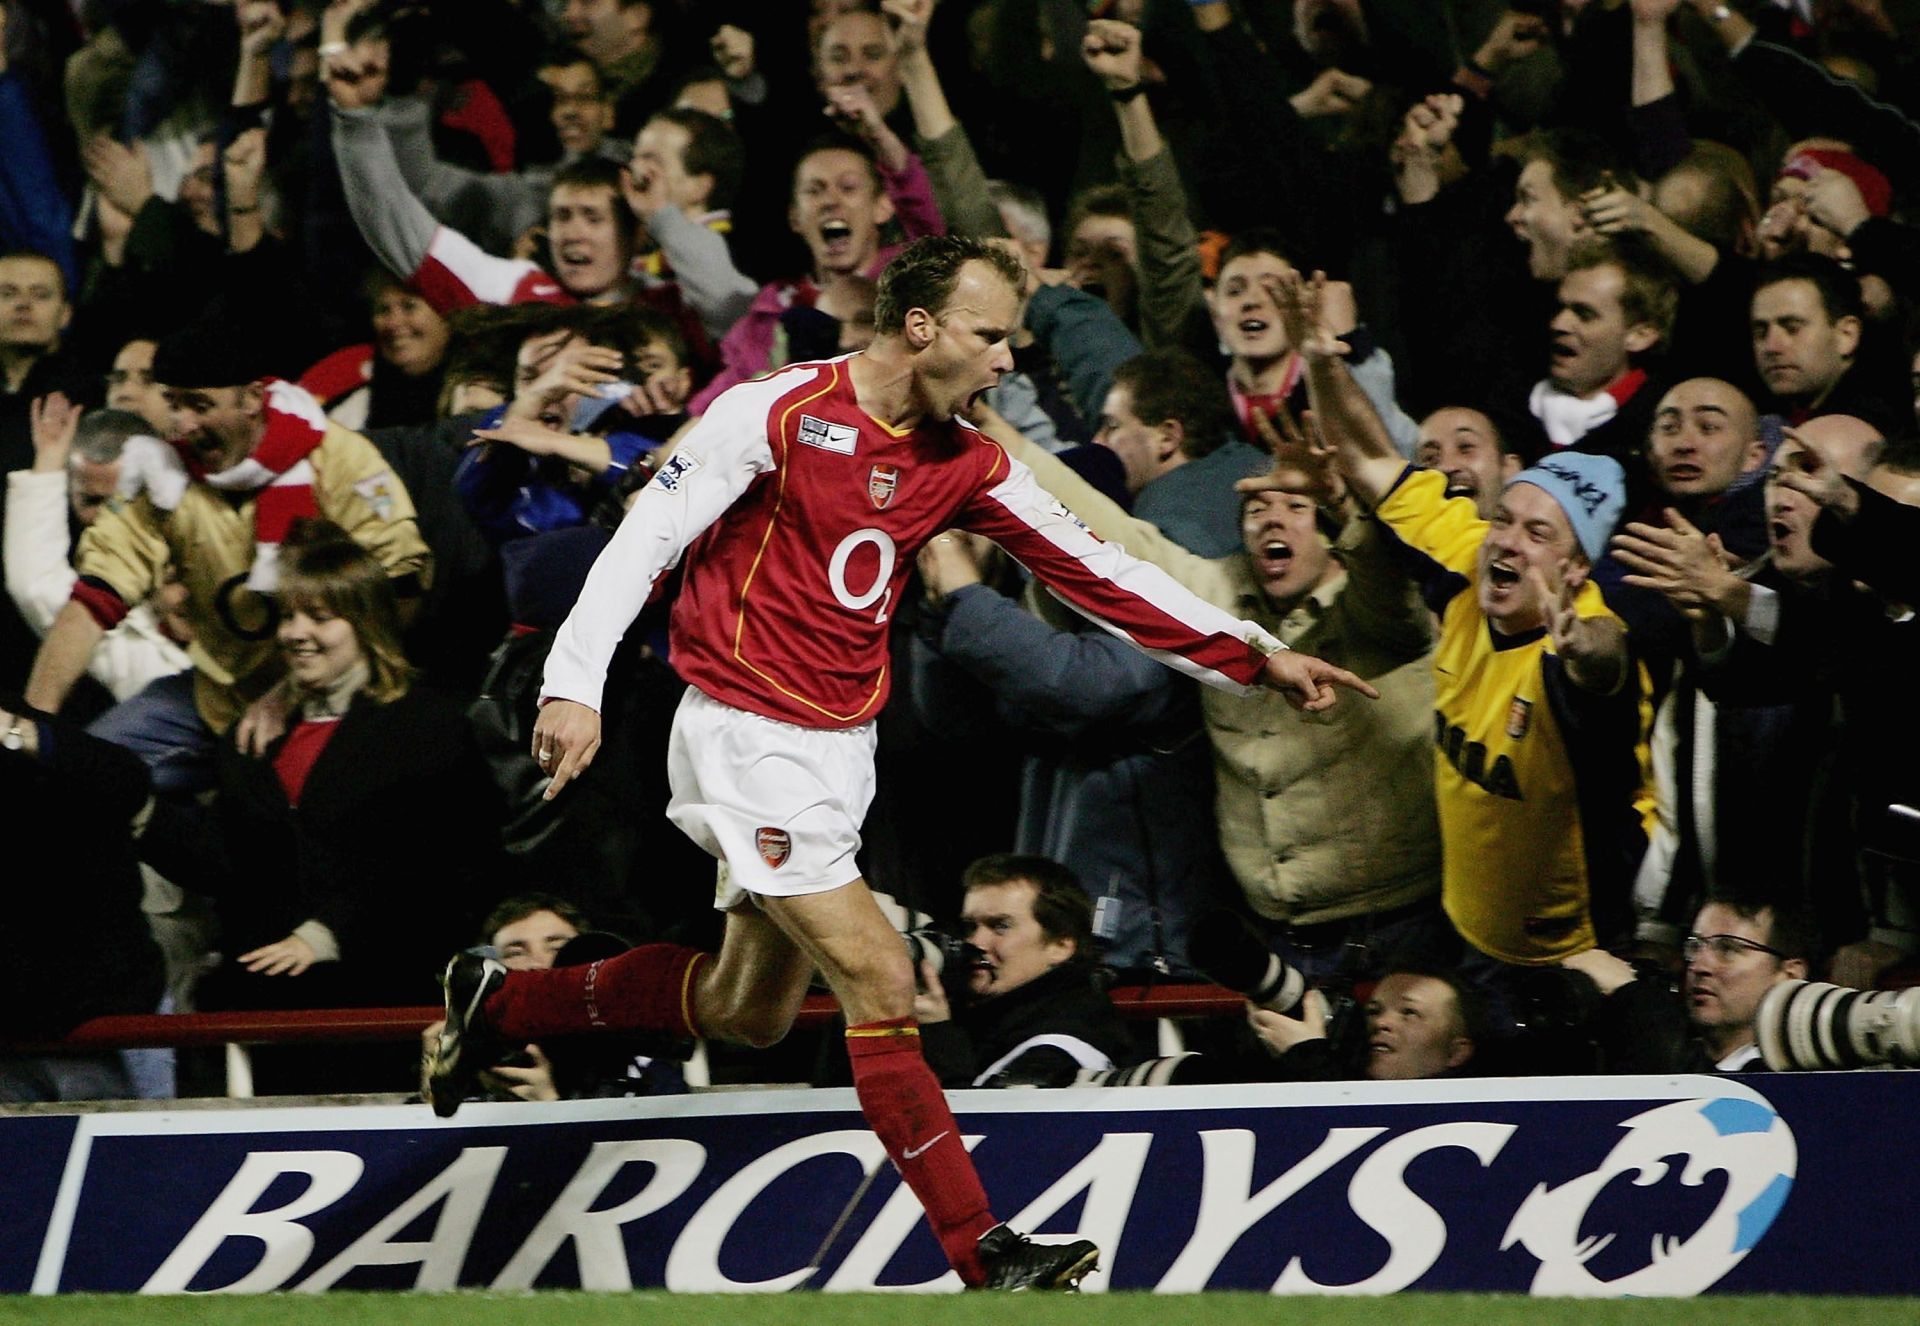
1308,682
566,737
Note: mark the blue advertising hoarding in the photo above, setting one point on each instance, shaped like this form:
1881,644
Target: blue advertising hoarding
1587,1186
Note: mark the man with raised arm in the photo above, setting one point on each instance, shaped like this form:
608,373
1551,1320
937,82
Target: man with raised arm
1537,710
799,502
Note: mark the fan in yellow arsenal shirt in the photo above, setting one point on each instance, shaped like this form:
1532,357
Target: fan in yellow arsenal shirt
1539,714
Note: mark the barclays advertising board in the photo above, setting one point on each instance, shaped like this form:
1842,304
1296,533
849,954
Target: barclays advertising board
1591,1186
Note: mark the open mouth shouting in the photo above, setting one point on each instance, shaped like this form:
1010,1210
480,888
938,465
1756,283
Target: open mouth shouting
1275,557
1503,577
836,238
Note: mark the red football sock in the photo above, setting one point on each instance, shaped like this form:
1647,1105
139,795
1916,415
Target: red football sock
904,1105
649,988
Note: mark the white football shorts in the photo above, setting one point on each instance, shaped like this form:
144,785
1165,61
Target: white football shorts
780,805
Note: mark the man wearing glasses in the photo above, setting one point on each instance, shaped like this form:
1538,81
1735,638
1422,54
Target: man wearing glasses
1735,953
1734,956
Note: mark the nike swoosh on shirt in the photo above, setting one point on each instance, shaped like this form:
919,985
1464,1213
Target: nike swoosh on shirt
915,1152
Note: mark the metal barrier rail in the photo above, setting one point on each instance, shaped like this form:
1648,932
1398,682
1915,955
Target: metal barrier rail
297,1026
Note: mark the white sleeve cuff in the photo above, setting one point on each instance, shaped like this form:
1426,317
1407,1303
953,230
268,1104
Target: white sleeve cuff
320,939
1763,614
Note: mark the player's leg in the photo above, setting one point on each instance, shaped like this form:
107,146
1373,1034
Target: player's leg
865,964
848,938
750,991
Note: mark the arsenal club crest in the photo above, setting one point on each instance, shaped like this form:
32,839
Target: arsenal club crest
882,480
1519,717
774,846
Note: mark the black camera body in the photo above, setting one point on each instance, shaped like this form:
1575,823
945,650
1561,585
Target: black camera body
951,958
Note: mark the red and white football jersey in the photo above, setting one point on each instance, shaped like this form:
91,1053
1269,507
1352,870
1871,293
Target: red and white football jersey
800,516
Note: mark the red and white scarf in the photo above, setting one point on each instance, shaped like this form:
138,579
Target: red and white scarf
1247,404
277,472
1566,418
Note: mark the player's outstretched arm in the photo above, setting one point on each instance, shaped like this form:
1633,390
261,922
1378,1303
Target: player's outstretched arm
716,461
566,737
1307,682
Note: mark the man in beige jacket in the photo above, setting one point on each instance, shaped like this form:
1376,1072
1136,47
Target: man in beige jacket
1327,820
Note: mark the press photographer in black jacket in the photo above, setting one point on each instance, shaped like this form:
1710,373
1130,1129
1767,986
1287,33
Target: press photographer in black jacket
1031,1011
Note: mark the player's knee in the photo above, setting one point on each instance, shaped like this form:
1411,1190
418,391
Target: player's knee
756,1024
761,1030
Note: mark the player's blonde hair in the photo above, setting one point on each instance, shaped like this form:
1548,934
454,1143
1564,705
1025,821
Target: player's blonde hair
924,273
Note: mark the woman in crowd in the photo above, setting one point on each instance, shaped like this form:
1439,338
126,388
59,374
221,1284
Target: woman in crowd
350,851
396,378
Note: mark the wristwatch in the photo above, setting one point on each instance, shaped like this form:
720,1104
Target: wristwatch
15,737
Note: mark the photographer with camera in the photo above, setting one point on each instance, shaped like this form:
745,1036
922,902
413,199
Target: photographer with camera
1422,1020
1419,1024
1735,953
1016,1000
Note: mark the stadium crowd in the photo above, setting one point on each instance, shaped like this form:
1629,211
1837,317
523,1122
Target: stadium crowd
1550,364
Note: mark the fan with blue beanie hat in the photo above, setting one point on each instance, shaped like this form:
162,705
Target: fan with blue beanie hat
1591,489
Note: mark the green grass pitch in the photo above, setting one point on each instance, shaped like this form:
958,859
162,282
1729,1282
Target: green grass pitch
647,1309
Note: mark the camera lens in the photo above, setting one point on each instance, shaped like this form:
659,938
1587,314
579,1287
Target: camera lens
1813,1025
1228,950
